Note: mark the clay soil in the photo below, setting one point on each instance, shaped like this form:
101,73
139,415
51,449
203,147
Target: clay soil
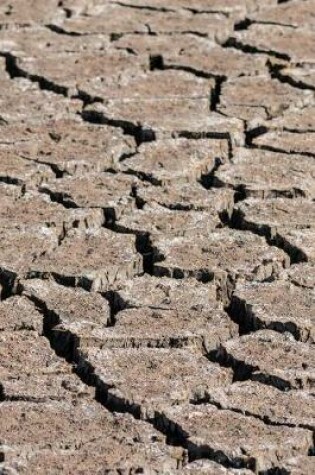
157,237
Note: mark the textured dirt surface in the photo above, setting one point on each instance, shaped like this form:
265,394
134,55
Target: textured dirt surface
157,237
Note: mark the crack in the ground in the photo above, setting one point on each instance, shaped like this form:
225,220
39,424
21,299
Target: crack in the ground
216,92
247,22
295,254
271,148
58,197
209,135
293,130
141,134
245,371
234,43
157,62
11,180
209,11
52,166
65,344
151,8
265,419
249,322
61,31
261,130
207,180
67,347
235,221
251,134
275,71
14,71
145,177
242,24
143,244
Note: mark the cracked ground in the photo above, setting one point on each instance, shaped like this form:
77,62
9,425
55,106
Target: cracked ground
157,237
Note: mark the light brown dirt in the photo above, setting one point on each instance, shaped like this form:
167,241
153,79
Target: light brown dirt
157,237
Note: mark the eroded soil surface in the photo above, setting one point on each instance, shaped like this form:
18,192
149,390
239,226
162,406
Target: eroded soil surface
157,237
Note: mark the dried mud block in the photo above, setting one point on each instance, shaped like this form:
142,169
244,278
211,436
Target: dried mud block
165,328
33,211
146,380
107,191
37,40
16,345
234,439
18,313
288,223
28,104
82,7
18,12
43,387
159,85
10,193
158,221
165,293
20,248
166,162
119,443
302,275
294,44
186,197
118,19
288,14
94,73
229,7
269,216
300,465
168,118
272,358
106,19
292,132
302,77
19,171
215,26
127,80
263,174
31,371
82,460
74,147
155,313
209,467
95,260
226,256
162,313
250,97
288,142
280,306
292,409
295,120
299,242
192,53
67,305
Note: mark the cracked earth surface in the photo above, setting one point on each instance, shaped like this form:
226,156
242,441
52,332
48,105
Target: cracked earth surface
157,224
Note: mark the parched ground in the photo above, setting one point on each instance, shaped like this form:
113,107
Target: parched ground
157,237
